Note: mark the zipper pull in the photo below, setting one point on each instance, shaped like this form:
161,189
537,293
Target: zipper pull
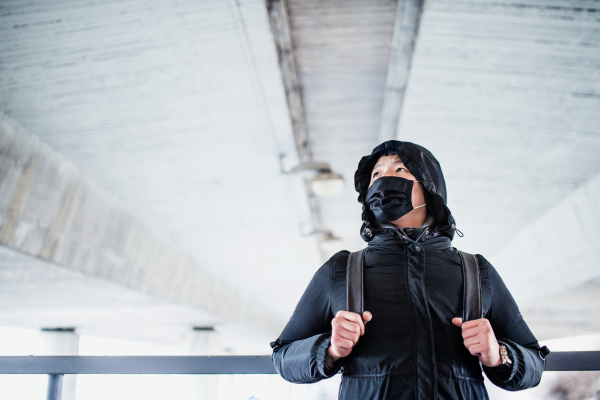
459,233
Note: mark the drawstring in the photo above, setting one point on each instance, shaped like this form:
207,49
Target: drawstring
403,235
422,233
406,237
459,233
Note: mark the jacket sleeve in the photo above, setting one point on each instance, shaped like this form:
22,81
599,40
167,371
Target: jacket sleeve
300,352
511,330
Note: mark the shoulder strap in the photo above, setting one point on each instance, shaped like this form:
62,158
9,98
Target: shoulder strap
354,282
472,308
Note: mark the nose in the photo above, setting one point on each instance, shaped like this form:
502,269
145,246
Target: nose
389,172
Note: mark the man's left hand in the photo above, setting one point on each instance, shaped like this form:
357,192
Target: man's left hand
479,339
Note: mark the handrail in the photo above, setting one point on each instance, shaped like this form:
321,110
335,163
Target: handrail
136,365
556,361
573,361
57,366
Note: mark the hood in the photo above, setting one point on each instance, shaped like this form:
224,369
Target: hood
424,166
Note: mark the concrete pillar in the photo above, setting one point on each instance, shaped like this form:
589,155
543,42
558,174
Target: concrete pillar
203,341
62,342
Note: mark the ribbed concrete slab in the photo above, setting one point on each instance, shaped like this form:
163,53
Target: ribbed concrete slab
38,294
342,49
547,258
506,95
567,313
51,212
178,111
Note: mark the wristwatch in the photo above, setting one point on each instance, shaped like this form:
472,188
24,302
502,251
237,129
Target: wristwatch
504,355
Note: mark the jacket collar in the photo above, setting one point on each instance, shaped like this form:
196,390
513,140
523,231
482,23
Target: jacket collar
426,235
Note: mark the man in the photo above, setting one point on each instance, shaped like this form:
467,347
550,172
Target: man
411,343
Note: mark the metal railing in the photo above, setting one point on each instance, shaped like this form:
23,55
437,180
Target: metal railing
58,366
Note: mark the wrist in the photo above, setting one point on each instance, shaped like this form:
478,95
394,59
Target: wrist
494,359
331,353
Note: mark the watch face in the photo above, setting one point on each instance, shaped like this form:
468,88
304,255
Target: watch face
504,355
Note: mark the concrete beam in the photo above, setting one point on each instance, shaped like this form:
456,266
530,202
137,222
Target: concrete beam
48,210
406,29
38,294
280,25
553,256
573,312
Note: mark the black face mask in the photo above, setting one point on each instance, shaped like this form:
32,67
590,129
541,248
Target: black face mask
390,198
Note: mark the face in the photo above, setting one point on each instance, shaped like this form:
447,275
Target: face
393,166
390,166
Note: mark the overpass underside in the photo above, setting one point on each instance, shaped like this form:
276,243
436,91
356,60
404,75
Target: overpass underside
142,148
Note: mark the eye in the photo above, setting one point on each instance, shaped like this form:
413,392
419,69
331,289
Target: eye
400,169
376,174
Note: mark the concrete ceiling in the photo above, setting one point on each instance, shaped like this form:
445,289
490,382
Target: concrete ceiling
178,110
506,95
33,291
342,51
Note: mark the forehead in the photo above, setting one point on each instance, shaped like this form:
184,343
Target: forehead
387,160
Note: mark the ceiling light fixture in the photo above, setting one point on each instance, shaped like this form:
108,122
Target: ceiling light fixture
323,182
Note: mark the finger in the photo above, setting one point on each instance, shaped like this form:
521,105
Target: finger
341,313
347,314
350,316
342,343
352,336
354,317
457,321
484,329
467,333
473,323
350,326
474,350
476,340
481,348
367,316
477,349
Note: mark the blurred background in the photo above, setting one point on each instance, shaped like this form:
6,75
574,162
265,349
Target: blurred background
173,173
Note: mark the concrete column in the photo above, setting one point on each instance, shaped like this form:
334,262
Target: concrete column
203,341
62,342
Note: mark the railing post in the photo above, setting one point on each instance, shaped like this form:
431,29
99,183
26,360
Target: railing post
55,382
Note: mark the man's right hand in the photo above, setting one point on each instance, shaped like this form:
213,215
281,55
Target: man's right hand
347,328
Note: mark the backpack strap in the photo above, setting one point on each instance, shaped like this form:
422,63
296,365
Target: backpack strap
472,308
354,282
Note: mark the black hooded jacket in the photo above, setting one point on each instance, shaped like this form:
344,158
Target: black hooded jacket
413,288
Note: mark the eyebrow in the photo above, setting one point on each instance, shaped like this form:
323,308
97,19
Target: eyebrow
393,162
